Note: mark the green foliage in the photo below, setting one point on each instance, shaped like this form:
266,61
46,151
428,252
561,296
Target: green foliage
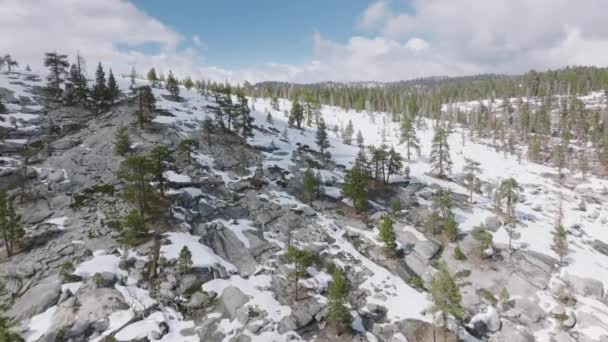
309,185
11,229
146,105
113,90
321,137
172,86
459,254
302,259
184,262
560,242
441,162
483,238
160,157
86,196
509,190
296,116
347,136
409,137
450,228
387,234
137,172
122,143
339,315
187,146
133,227
356,188
416,282
98,279
471,179
396,206
445,294
65,272
187,82
100,89
8,332
152,76
57,64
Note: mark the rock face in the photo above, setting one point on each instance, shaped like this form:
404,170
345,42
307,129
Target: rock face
81,315
39,298
231,300
585,286
227,245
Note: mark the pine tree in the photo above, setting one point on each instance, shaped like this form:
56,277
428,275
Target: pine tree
172,86
10,62
302,259
509,190
208,129
188,84
483,238
58,64
78,77
296,115
113,91
339,315
136,172
160,156
387,234
132,76
100,89
409,137
309,185
133,227
146,105
560,242
394,164
274,103
269,118
441,162
152,77
244,120
321,138
356,188
122,143
347,137
450,228
11,228
471,180
446,297
187,146
184,262
360,140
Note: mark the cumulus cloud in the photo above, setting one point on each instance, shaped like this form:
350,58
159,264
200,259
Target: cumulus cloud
433,37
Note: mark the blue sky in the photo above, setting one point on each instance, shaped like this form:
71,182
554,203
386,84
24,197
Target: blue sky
237,33
311,40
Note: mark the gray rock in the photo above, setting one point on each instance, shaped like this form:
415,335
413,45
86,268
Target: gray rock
492,223
510,333
600,246
526,311
37,299
426,249
187,282
231,300
64,144
585,286
228,246
198,299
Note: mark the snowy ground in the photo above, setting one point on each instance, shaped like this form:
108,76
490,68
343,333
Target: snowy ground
537,215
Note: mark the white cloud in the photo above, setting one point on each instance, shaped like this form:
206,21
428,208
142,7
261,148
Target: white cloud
374,15
435,37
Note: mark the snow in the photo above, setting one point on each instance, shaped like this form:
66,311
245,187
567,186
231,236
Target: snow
175,177
238,229
202,256
99,264
257,288
40,324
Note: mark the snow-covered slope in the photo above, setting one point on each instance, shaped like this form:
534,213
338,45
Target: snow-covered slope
330,233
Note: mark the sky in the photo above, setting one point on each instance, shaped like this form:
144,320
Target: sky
310,41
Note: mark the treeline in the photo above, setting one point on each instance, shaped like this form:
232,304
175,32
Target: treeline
427,95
